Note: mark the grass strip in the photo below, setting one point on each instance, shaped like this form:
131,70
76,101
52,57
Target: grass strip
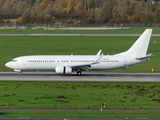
87,95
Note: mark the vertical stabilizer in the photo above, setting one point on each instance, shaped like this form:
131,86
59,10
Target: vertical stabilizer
139,48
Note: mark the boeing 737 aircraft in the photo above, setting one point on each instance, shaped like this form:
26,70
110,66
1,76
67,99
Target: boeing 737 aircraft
64,64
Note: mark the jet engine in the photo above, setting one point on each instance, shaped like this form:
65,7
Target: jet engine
63,69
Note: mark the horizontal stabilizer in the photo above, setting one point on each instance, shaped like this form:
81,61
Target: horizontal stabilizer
147,56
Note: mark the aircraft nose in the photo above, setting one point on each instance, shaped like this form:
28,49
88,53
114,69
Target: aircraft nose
7,64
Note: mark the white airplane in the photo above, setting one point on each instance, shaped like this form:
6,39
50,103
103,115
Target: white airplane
64,64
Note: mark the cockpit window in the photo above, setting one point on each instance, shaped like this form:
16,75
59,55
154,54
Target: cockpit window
14,60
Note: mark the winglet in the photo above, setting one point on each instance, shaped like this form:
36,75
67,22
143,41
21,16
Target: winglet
99,52
99,59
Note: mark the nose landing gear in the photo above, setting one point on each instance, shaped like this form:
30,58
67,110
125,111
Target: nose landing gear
20,73
79,73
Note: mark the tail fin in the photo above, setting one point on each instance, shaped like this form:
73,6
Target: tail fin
139,48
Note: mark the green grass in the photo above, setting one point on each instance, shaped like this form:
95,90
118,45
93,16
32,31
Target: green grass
87,95
15,46
81,113
30,30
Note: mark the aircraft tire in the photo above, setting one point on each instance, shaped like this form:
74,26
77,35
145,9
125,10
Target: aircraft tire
79,73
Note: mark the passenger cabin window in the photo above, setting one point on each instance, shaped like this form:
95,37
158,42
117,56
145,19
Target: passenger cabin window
40,61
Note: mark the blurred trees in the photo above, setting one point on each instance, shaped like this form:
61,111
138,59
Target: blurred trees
80,11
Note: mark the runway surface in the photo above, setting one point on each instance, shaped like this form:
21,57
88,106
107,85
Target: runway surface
86,76
68,34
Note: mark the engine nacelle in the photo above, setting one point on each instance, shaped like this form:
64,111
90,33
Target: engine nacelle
63,69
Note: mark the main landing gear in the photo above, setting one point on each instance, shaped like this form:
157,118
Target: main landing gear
79,73
20,73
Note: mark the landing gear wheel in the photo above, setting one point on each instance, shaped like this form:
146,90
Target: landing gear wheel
79,73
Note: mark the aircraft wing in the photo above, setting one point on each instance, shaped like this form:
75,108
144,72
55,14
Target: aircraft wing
87,66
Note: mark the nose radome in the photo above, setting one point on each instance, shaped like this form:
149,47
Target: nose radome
7,64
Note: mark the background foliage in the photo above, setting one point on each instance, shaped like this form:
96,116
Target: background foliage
80,11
